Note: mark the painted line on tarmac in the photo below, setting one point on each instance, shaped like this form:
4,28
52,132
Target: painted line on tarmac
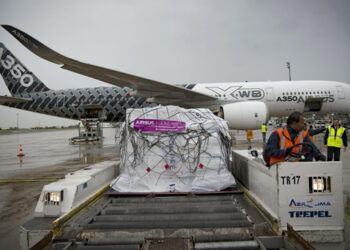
346,170
31,180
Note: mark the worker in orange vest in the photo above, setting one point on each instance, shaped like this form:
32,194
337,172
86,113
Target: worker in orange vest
279,145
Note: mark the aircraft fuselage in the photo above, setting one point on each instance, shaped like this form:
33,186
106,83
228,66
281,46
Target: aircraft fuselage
281,98
284,97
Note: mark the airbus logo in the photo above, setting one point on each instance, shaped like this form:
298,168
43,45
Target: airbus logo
144,122
238,93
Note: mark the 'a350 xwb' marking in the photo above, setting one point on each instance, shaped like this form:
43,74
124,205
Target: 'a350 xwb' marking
238,92
17,70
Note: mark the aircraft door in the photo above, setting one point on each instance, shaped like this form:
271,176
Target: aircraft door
313,104
269,94
340,92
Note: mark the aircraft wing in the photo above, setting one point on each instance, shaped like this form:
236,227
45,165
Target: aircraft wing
161,93
4,99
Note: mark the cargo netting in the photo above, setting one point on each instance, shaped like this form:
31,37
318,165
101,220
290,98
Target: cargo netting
172,149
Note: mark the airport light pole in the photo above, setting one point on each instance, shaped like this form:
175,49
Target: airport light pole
288,67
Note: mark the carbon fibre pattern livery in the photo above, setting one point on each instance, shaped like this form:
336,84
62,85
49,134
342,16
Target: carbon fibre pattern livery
8,60
66,103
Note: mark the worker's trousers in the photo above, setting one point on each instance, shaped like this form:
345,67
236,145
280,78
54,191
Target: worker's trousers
264,137
333,152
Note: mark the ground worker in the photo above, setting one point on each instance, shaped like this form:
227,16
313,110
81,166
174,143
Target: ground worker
249,137
263,132
334,139
280,143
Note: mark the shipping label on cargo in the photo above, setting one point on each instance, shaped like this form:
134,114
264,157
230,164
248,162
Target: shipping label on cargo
151,125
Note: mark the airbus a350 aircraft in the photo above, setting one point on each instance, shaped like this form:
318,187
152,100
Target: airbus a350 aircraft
244,105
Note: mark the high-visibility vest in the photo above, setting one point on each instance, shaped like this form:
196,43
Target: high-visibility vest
250,134
263,128
286,141
335,140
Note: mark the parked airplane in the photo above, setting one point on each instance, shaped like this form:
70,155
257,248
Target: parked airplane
29,93
244,105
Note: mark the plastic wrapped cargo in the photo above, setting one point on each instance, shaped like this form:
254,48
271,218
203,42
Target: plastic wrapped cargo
172,149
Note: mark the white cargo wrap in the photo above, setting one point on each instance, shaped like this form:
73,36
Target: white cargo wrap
172,149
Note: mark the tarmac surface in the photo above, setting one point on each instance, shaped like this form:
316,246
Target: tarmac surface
48,155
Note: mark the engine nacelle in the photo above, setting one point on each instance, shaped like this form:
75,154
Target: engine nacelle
245,115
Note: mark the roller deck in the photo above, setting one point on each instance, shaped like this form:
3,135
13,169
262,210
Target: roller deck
230,219
159,221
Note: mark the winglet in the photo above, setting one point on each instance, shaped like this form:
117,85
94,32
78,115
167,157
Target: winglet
35,46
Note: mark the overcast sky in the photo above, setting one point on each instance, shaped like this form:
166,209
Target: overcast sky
180,41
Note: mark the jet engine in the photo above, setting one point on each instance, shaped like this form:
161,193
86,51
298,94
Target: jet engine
245,115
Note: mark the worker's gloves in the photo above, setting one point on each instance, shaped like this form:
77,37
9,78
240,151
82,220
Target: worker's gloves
288,150
321,157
